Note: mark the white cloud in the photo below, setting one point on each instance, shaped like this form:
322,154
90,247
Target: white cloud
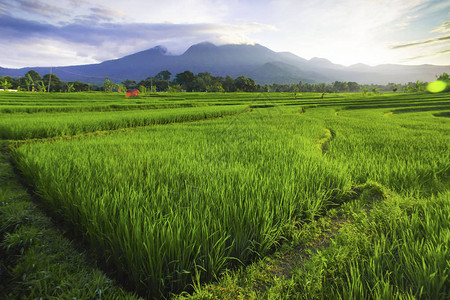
344,31
44,53
444,28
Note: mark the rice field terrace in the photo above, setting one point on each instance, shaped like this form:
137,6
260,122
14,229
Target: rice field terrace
225,195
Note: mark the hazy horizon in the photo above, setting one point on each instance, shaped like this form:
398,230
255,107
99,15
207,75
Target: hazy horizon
38,33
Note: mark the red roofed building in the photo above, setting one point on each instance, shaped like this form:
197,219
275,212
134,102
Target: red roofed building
132,93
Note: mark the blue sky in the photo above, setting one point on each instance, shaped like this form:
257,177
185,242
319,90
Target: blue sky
71,32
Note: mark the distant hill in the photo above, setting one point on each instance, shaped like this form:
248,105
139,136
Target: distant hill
255,61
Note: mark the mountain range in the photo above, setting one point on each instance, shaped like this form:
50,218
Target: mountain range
255,61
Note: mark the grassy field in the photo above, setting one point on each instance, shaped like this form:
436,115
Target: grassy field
341,197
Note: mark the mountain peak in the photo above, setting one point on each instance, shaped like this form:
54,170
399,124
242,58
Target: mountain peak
319,60
203,45
160,49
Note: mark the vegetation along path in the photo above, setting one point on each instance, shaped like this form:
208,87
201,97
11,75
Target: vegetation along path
299,197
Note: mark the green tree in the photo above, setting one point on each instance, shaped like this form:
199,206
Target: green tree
415,87
206,77
130,84
34,79
108,85
147,82
420,86
163,75
70,87
34,76
185,80
364,90
55,83
353,86
228,84
176,88
21,81
215,88
42,87
31,82
444,77
14,83
5,84
339,86
321,87
28,84
198,85
143,90
81,86
162,85
245,84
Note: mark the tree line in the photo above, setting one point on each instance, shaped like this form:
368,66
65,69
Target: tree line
33,82
205,82
202,82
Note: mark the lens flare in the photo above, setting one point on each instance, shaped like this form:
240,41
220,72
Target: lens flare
436,86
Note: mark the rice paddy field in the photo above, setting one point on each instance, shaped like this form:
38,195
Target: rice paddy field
245,195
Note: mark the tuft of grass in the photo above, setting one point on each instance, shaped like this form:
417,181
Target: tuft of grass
36,260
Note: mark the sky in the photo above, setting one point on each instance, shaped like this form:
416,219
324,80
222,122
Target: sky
73,32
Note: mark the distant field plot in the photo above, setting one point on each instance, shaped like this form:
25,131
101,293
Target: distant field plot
44,125
165,206
84,102
406,152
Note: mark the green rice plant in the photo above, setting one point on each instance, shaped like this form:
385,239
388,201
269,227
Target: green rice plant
407,152
164,203
29,126
408,256
170,206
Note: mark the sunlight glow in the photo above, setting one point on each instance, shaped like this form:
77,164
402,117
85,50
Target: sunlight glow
436,86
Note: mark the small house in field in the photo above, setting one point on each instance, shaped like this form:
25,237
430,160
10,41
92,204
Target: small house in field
132,93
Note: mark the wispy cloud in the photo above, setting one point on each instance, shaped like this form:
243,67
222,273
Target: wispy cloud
94,33
436,40
444,28
39,7
402,25
429,55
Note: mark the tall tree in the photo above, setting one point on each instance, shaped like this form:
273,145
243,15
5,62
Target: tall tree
228,85
147,82
108,86
56,84
70,87
5,84
185,80
162,85
130,84
34,75
245,84
198,85
163,75
80,86
30,83
353,86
